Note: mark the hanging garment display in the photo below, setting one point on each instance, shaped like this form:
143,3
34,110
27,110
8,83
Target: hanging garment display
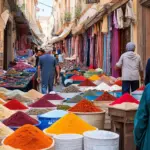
105,24
120,18
108,55
105,54
115,20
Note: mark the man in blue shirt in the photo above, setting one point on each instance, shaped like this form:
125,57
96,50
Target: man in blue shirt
46,70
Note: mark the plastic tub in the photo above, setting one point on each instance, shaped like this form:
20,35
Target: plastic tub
101,140
68,141
95,119
99,93
70,104
117,94
137,95
46,122
49,148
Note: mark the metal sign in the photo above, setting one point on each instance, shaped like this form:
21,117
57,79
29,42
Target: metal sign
92,1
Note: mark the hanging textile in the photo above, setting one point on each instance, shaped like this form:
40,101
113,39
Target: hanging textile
115,47
105,24
120,18
105,54
85,48
108,68
91,51
115,20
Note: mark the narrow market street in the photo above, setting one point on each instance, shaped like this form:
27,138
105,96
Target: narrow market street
74,74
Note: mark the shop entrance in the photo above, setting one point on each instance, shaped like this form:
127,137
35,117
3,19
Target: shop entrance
7,45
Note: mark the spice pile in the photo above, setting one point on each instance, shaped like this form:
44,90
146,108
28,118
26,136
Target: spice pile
19,119
15,105
63,107
78,78
5,147
118,82
71,89
94,77
106,97
2,101
5,112
42,104
70,123
116,88
28,137
33,94
102,87
2,96
126,102
38,111
51,97
142,88
75,99
85,106
4,130
89,93
87,82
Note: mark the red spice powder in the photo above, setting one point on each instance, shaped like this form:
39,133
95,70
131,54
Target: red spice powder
78,78
42,103
85,106
142,88
125,98
106,97
19,119
119,83
15,105
87,82
52,97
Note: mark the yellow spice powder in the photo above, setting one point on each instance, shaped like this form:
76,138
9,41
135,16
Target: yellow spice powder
70,123
94,77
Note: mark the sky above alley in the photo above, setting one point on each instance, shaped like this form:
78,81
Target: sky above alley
45,10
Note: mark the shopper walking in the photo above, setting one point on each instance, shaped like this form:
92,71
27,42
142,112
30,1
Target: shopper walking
131,65
142,122
147,76
46,72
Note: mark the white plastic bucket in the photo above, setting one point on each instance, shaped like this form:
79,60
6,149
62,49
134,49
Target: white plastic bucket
95,119
68,142
101,140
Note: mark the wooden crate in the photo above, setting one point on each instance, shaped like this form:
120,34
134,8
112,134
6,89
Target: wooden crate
122,122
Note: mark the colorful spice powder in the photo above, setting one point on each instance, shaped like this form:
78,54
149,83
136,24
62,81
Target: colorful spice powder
71,89
106,97
63,107
15,105
4,130
5,147
42,103
126,106
2,101
2,96
70,123
5,112
125,98
19,119
33,94
119,83
75,99
78,78
87,82
142,88
52,97
85,106
28,137
89,93
94,77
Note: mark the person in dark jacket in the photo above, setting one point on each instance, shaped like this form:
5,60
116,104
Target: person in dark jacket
147,76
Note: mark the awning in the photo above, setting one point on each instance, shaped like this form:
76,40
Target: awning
63,35
79,29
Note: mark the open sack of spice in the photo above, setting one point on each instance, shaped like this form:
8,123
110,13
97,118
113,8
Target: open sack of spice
126,102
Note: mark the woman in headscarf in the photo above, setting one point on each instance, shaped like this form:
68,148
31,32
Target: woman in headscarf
142,122
147,77
131,65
